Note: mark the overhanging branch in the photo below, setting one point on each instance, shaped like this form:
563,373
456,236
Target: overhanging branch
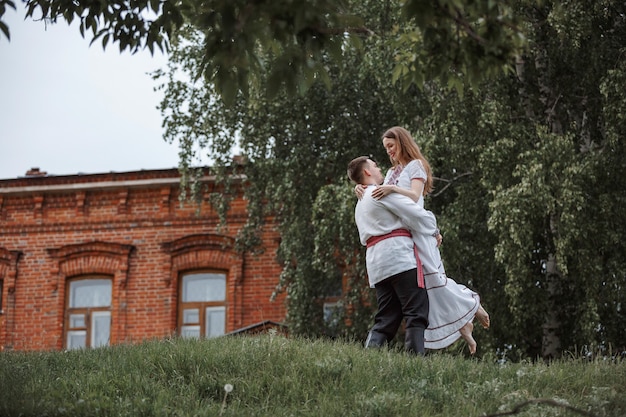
449,182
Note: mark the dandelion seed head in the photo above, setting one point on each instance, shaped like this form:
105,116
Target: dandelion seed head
228,387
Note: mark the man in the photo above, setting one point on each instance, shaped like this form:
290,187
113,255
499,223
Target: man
393,267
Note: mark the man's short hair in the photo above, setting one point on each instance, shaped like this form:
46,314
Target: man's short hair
355,169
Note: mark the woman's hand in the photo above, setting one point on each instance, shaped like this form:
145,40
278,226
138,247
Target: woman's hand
359,190
438,237
383,190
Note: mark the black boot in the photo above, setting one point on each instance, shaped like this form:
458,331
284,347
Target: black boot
414,341
375,340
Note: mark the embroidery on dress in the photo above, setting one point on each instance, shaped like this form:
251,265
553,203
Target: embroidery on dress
393,179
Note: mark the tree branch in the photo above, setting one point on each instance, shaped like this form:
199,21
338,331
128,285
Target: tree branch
341,31
467,28
449,182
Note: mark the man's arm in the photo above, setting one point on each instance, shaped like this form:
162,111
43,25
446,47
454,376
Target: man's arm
413,216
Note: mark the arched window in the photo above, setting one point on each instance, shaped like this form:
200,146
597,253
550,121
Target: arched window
202,305
88,312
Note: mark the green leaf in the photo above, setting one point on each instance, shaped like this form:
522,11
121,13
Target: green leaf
5,29
398,70
105,40
274,83
323,74
227,86
154,4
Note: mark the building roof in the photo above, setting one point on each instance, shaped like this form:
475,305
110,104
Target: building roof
260,327
41,182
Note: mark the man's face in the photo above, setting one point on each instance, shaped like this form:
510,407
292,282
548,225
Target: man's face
375,172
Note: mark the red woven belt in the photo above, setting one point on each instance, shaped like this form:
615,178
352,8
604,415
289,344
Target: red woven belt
401,232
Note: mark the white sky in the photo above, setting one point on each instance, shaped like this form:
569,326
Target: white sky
69,108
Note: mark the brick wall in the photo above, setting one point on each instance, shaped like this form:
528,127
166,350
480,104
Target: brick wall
131,227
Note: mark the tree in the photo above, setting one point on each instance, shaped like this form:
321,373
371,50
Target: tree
443,38
525,195
297,150
542,149
558,170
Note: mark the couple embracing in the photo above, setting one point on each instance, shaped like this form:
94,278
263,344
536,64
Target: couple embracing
403,260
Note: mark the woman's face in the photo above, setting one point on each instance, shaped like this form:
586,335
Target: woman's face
392,148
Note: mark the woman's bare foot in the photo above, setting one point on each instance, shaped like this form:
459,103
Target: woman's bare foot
466,334
483,317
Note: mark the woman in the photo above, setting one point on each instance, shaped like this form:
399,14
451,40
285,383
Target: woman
452,306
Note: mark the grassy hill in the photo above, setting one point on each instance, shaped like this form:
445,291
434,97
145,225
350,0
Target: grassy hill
275,376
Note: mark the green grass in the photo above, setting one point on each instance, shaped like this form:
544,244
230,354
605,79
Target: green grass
275,376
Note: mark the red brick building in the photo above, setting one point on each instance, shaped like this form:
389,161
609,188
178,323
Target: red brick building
92,260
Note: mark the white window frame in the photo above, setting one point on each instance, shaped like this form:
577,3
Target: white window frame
87,330
205,308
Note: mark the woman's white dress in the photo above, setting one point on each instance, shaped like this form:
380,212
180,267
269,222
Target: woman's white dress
451,305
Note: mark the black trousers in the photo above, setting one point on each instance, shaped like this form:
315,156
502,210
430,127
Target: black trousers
399,297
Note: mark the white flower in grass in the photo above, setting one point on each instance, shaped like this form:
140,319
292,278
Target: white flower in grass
227,388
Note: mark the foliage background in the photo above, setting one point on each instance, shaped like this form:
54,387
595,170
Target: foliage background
530,171
519,106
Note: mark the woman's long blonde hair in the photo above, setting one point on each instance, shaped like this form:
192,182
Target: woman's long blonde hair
408,151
